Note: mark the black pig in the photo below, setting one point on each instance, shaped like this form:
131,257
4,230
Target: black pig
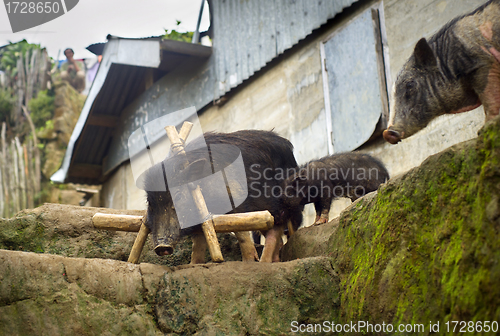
261,151
457,70
320,181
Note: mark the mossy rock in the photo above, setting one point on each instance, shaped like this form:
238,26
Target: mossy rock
423,249
67,230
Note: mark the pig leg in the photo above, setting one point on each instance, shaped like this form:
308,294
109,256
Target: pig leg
490,97
272,245
199,248
277,248
247,246
322,210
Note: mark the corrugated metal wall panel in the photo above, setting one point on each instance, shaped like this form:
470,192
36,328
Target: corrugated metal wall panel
250,33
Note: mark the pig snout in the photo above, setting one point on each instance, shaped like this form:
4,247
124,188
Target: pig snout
163,246
392,136
164,249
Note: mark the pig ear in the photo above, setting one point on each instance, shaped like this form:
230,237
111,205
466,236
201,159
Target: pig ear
194,171
300,177
424,56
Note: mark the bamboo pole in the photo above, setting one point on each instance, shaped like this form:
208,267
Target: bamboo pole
29,77
27,171
185,130
43,77
16,185
114,222
207,226
247,221
5,172
139,242
32,176
2,203
21,83
38,176
32,89
22,174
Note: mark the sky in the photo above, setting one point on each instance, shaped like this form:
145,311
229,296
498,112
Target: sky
90,21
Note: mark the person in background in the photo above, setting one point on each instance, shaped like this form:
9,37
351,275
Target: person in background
73,71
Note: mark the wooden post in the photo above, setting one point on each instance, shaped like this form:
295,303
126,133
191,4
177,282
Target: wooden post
177,146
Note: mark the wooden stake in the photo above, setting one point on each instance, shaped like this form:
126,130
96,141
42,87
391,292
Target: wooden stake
185,130
136,251
207,226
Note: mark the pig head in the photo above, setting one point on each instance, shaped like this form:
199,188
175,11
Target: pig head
423,91
455,71
172,211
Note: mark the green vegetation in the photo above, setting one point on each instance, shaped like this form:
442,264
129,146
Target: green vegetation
178,36
6,103
11,53
42,109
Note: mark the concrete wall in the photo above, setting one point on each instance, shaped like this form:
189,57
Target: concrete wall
287,96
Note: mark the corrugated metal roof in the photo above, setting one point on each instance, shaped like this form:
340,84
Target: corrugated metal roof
250,33
128,68
246,35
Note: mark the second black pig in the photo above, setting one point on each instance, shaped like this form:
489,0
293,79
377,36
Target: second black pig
350,175
262,153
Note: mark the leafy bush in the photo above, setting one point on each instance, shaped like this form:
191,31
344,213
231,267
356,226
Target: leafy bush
41,108
10,54
178,36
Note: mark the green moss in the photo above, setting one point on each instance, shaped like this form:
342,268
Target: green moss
427,247
24,234
70,312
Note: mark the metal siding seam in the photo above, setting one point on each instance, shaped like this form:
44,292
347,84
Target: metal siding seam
218,43
282,13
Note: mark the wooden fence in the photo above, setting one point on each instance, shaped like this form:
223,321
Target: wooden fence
32,76
20,166
19,174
